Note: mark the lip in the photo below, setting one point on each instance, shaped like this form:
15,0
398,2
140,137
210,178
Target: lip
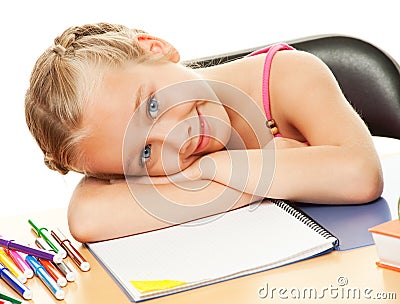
204,136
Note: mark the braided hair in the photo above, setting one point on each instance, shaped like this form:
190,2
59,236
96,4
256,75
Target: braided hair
60,84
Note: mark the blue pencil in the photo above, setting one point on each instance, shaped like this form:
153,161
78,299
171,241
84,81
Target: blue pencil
14,283
44,276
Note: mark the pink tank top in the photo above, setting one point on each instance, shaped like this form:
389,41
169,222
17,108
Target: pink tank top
270,51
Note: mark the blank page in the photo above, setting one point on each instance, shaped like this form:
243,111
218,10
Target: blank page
232,244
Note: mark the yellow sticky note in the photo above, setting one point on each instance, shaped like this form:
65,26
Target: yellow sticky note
147,286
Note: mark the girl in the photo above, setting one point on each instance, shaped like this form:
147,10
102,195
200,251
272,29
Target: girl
109,102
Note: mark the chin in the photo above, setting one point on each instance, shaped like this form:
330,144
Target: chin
216,146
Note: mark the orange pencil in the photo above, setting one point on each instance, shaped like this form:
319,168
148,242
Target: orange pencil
54,272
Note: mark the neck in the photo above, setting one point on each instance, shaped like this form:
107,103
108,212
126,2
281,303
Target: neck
230,73
238,86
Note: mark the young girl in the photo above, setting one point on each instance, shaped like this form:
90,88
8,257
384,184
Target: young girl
109,102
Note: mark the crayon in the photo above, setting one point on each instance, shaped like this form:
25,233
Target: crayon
45,234
20,262
64,269
10,299
54,272
44,276
9,244
71,250
7,262
14,283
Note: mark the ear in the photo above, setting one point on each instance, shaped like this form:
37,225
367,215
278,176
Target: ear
158,46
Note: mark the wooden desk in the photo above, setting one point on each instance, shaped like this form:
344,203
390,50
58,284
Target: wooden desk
96,286
322,274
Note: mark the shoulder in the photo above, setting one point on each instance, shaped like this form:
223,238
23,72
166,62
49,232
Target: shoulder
306,96
297,70
300,75
298,62
294,54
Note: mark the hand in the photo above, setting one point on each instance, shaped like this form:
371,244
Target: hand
193,172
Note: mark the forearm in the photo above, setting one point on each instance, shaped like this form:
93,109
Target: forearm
327,174
324,174
100,210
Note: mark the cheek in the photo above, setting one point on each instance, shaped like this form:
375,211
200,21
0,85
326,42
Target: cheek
177,111
170,163
102,158
221,125
166,164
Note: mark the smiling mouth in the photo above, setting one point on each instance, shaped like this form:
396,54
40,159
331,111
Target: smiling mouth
204,136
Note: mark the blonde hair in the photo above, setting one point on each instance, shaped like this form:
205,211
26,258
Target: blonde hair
60,85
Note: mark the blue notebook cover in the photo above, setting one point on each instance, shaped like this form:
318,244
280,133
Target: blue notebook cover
349,223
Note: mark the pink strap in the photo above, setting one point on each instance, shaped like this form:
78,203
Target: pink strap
271,51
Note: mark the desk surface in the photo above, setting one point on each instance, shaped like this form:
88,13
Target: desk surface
338,277
96,286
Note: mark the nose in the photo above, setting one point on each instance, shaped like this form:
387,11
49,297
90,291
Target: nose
172,135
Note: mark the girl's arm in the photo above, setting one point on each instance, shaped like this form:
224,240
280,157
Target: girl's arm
102,210
340,166
320,174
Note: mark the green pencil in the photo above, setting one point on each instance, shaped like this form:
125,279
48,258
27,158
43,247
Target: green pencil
10,299
45,234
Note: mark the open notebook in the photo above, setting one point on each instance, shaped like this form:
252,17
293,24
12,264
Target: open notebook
240,242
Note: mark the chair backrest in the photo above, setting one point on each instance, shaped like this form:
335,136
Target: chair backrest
368,77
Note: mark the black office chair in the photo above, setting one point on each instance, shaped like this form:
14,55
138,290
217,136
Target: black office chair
368,77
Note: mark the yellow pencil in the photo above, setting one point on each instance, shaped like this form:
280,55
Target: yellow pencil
8,263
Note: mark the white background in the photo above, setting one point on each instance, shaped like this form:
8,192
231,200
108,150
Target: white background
196,28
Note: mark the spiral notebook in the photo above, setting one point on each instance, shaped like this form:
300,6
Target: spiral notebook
241,242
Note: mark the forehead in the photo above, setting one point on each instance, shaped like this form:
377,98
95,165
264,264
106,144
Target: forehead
106,116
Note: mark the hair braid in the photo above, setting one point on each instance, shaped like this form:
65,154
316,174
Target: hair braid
60,85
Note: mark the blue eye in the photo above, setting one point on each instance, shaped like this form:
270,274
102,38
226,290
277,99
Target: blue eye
146,154
152,107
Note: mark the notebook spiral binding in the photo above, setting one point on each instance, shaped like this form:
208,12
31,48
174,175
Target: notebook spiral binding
304,218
